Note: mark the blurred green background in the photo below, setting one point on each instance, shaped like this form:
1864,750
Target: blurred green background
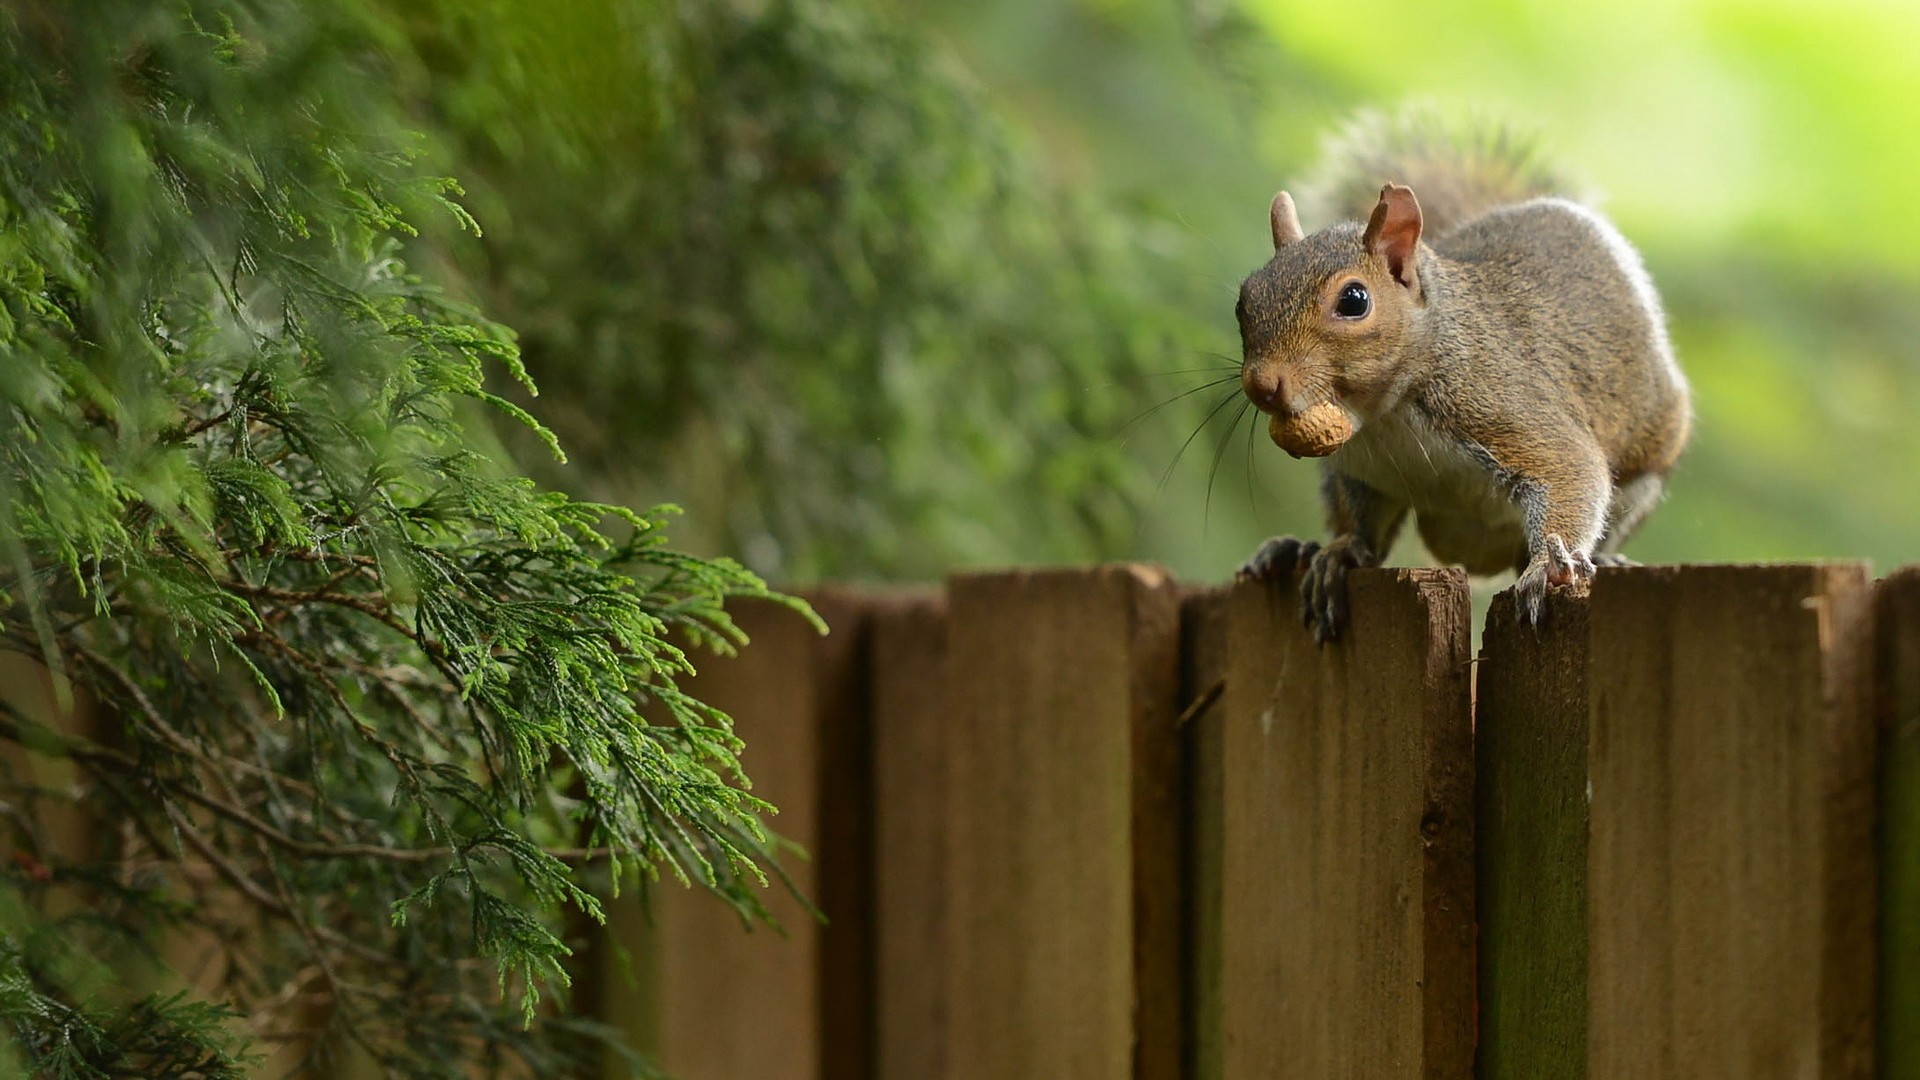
878,290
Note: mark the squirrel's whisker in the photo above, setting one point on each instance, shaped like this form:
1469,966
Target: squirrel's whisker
1253,506
1211,242
1178,454
1219,453
1202,388
1129,380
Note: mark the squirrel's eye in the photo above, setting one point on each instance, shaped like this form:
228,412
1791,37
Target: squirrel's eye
1354,303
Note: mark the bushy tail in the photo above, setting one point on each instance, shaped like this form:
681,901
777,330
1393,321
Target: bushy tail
1459,169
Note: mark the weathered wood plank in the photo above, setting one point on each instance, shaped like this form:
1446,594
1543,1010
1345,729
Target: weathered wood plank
720,1001
843,847
1898,710
1731,879
1530,851
1203,673
911,733
1346,907
1065,870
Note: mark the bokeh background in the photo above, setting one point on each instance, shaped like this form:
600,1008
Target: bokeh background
877,290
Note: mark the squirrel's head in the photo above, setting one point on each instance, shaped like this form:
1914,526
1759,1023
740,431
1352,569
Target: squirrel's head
1324,320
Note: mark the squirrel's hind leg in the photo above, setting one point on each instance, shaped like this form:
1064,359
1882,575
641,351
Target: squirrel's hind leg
1631,503
1566,501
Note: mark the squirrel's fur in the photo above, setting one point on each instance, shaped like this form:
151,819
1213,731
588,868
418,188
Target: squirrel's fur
1510,377
1461,168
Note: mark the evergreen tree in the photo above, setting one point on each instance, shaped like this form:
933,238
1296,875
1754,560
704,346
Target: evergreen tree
367,708
785,262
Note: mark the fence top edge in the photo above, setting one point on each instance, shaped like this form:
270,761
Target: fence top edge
1823,576
1154,575
910,594
1148,575
1905,578
1751,566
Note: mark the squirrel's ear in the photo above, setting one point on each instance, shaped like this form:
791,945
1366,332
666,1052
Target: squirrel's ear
1286,223
1393,232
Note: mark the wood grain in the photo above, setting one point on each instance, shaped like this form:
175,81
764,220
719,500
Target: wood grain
1731,878
1064,813
719,1000
1203,619
1346,906
911,732
1897,707
1530,745
843,847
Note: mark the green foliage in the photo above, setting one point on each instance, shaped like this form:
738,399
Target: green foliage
155,1036
365,704
806,283
874,287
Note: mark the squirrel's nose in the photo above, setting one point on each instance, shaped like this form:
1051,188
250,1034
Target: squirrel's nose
1265,387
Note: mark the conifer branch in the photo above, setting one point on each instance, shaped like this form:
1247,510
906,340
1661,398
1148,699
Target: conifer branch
368,709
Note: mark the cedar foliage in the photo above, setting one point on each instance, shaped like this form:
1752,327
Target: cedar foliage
363,702
808,281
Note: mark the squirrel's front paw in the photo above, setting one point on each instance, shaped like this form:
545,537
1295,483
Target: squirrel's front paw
1555,566
1277,558
1323,577
1323,590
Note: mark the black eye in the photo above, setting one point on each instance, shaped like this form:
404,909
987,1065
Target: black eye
1354,303
1240,309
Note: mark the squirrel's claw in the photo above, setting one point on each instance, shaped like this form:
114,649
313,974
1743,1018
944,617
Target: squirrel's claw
1323,577
1566,567
1278,557
1323,591
1556,566
1530,592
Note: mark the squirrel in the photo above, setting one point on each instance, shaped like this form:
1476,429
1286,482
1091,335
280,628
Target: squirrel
1490,356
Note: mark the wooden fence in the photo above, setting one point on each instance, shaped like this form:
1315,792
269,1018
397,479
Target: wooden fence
1092,824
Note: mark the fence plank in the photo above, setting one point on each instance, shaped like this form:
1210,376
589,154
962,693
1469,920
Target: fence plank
1731,882
719,1002
1898,709
1530,746
911,733
1346,907
843,847
1065,869
1203,633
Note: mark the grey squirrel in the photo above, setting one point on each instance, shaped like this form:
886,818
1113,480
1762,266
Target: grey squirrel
1495,362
